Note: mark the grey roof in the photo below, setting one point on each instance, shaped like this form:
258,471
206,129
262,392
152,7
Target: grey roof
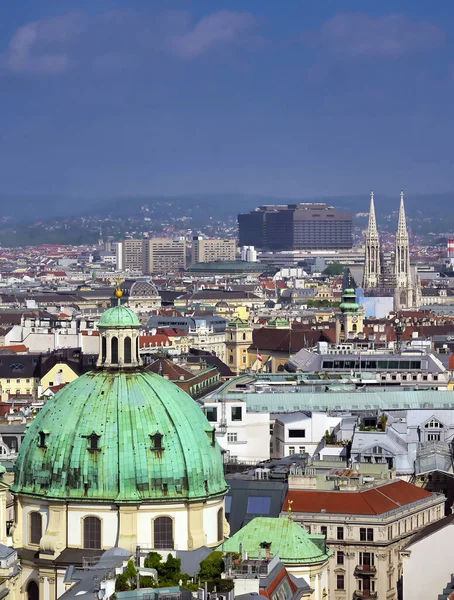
191,559
6,551
240,509
383,400
86,580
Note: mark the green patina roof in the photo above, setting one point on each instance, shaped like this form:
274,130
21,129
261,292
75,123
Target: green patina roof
238,323
278,322
349,303
119,316
124,409
293,544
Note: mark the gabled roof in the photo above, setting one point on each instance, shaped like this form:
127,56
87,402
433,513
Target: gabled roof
373,501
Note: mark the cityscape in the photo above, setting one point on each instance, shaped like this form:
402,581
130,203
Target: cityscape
230,394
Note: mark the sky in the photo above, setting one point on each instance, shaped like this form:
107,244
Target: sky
293,99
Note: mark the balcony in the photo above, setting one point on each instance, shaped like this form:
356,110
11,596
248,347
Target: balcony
360,594
365,570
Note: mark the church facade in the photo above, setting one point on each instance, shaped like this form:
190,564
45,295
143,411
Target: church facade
399,278
120,457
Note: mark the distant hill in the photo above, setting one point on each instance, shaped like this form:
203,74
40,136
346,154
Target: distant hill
28,220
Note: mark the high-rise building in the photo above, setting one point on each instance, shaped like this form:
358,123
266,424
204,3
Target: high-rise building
130,255
210,250
163,255
305,226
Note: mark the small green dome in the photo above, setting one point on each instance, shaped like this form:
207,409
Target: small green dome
119,316
118,436
349,303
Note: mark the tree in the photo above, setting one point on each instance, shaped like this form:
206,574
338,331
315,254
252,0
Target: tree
212,567
128,579
334,269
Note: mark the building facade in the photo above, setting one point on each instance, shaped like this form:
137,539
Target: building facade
164,255
304,226
211,250
138,465
366,530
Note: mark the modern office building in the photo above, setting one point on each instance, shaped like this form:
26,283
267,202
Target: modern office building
130,255
211,250
304,226
164,255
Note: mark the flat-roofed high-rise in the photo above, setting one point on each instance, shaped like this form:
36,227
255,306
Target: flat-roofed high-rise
305,226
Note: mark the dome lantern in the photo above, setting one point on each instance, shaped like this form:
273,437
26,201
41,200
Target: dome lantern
119,337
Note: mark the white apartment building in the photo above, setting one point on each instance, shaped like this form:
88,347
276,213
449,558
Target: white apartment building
211,250
366,530
245,437
300,432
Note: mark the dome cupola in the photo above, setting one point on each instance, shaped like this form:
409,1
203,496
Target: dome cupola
119,337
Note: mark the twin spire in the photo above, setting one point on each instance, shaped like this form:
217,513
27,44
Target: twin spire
372,231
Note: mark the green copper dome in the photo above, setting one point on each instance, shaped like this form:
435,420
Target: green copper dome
122,437
119,316
349,303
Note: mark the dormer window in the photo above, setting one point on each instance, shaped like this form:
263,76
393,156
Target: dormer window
42,441
156,441
432,424
93,442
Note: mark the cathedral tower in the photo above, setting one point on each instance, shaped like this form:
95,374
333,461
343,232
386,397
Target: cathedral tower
372,263
404,287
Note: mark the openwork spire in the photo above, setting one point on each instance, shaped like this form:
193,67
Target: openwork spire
372,231
402,224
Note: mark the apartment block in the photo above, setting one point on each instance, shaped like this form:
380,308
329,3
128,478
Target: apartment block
163,255
211,250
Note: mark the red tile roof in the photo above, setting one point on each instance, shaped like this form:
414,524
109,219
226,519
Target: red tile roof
373,501
15,348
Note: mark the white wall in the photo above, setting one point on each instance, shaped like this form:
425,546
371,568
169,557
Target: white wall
428,568
252,432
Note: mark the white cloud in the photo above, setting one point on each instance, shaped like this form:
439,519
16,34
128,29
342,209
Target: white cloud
356,35
118,40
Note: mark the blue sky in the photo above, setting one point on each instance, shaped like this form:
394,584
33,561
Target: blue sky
291,98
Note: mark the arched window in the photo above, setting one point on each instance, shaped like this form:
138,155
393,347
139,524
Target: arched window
36,527
355,327
104,349
128,352
220,524
92,533
114,353
163,533
32,591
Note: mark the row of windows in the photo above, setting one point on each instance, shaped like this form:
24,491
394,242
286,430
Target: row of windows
163,531
385,365
211,413
366,534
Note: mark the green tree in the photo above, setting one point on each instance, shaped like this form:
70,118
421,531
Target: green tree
212,567
334,269
128,579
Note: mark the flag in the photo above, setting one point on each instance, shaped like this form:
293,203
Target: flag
259,357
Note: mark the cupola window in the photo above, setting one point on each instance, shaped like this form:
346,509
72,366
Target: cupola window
114,350
156,441
163,533
128,351
93,442
92,533
42,439
35,527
